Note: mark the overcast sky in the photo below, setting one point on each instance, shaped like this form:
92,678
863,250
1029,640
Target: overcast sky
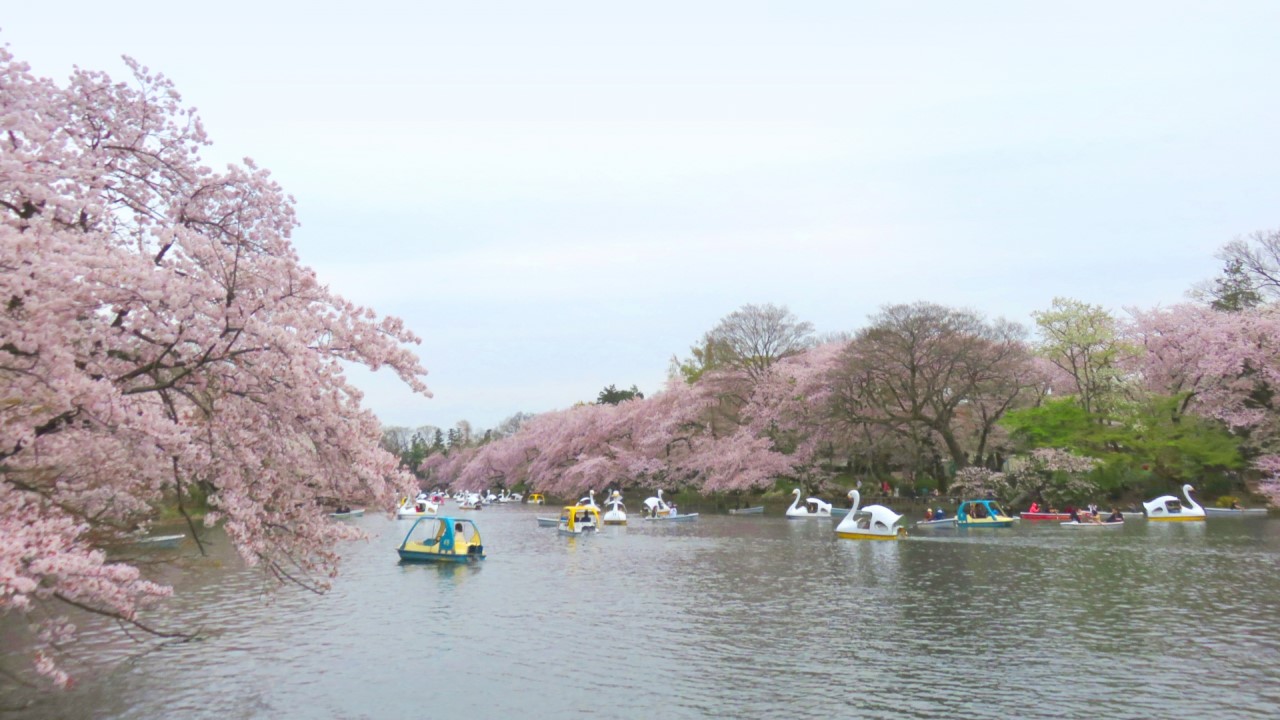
559,196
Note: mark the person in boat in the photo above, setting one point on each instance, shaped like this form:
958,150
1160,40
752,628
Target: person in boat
1235,505
1075,515
1115,516
928,514
939,514
1035,507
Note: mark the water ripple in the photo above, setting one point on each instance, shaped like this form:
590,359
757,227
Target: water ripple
746,617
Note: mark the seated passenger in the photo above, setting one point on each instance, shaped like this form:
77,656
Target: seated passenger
939,514
928,514
1115,516
460,542
1035,507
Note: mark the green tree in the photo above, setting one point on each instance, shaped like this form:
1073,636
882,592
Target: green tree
613,396
1235,289
1082,340
1144,440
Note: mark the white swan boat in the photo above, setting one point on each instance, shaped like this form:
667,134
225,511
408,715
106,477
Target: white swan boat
873,522
812,508
419,507
589,500
656,506
1168,508
617,512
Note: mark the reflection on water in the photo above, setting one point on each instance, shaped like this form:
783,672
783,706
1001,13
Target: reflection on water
731,616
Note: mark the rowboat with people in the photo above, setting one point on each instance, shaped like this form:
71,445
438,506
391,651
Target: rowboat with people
982,514
442,539
579,520
1036,516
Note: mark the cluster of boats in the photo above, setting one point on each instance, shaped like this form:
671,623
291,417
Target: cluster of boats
585,516
444,539
1166,508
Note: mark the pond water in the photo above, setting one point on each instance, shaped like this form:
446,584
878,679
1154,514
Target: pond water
729,616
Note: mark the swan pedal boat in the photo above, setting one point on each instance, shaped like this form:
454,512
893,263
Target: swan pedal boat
617,512
442,539
656,506
579,520
813,508
988,514
757,510
536,499
873,522
1168,508
418,507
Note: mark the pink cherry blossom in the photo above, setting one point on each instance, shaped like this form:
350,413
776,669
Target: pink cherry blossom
159,340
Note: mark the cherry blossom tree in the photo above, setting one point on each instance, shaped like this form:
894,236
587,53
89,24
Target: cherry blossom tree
1056,475
1223,365
160,341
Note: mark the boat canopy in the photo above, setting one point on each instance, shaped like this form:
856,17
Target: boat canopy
443,535
970,509
574,514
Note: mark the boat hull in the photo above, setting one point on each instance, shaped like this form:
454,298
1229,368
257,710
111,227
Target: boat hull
1228,512
160,541
344,515
548,522
615,522
748,511
986,523
942,522
1176,518
422,556
676,518
1073,523
854,535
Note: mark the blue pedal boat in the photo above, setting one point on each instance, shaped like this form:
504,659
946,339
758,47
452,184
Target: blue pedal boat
442,539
